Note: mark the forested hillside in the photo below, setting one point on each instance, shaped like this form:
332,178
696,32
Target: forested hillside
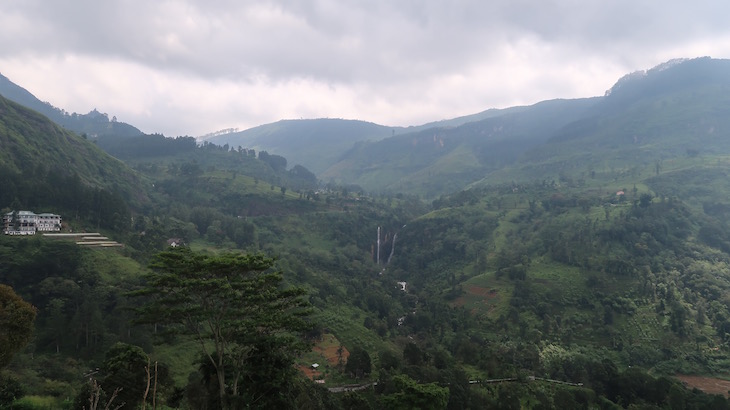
673,110
670,112
93,124
47,168
316,144
584,269
435,161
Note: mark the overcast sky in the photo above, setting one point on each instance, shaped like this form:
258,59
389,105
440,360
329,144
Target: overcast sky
197,66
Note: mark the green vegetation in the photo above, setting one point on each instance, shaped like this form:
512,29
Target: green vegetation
590,272
232,305
16,324
34,146
436,160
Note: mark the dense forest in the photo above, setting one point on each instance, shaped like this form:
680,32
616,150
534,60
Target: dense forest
246,282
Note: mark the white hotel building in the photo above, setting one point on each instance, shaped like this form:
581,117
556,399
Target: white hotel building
27,223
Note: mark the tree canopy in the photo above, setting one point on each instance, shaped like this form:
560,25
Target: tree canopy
232,303
408,394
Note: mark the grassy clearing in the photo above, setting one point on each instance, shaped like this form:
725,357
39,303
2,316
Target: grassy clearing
41,402
565,282
112,266
181,358
500,234
346,323
486,295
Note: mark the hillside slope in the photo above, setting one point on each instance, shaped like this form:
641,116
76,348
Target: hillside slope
37,157
676,110
315,144
441,160
318,144
94,124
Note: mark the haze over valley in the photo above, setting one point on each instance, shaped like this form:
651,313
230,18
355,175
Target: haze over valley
463,207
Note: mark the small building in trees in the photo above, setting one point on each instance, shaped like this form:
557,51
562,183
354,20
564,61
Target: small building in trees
175,242
28,223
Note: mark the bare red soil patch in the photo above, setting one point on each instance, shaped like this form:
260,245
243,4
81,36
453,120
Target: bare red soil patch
309,372
710,385
486,294
327,348
483,292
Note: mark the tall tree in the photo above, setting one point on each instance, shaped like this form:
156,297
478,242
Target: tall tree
126,368
358,363
16,323
229,303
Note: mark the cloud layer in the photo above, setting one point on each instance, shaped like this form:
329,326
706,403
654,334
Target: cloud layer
190,67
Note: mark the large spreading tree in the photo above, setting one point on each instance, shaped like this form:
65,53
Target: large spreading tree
232,303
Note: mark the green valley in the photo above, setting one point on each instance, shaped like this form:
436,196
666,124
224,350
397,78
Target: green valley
570,254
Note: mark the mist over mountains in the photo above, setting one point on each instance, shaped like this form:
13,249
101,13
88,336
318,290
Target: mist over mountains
679,104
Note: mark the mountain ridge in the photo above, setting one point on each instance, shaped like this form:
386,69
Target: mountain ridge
467,149
683,103
94,123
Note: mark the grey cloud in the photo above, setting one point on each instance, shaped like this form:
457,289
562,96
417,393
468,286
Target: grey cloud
381,50
343,41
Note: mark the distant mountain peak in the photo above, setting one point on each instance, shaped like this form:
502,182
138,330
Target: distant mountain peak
668,64
636,75
639,74
677,70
